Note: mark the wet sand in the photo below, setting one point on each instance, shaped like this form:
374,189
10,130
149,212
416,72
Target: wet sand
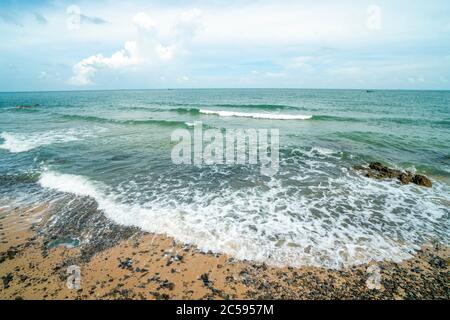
124,263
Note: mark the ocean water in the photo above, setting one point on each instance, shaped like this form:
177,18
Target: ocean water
115,147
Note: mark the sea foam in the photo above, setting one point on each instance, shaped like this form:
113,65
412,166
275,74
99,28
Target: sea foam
270,116
22,142
340,224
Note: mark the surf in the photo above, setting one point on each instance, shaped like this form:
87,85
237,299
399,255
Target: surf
268,116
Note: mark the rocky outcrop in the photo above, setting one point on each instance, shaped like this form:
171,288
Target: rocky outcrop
377,170
422,180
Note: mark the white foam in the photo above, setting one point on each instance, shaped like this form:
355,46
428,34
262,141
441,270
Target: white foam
69,183
22,142
270,116
368,220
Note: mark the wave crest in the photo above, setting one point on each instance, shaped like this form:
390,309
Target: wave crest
268,116
22,142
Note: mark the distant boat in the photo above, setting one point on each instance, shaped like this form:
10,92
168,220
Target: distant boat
370,91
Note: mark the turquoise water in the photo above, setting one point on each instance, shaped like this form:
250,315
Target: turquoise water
115,146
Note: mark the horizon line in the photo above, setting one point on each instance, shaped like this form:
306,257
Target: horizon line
220,88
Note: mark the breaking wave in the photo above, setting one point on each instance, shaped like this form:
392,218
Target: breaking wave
22,142
270,116
349,221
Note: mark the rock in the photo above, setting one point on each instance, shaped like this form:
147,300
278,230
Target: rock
422,180
373,175
166,284
11,253
383,171
6,280
377,170
378,166
126,264
406,177
205,278
437,262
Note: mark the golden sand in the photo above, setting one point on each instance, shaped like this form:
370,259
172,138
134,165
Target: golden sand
148,266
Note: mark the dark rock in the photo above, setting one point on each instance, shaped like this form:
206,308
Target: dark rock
384,171
378,166
160,296
126,264
377,170
437,262
167,285
205,278
7,279
421,180
11,253
406,177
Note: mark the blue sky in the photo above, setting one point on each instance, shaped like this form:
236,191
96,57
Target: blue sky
85,45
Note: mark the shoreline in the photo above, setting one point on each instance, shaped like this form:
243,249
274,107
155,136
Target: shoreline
126,263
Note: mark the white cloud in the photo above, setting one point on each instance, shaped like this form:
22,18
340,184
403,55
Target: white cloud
189,23
183,79
221,42
86,68
165,52
148,49
144,21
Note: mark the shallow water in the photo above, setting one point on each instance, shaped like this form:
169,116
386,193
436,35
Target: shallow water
115,147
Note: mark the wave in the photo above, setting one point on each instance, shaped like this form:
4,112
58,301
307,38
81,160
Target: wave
192,111
355,221
260,106
22,142
335,118
13,179
401,121
268,116
24,110
125,122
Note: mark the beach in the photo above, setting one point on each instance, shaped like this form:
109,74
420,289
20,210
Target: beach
146,266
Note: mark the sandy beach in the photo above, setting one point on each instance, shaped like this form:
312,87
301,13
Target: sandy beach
138,265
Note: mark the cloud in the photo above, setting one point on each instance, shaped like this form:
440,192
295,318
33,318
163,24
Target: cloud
301,44
147,50
144,21
189,23
9,18
86,68
299,62
92,20
40,18
183,79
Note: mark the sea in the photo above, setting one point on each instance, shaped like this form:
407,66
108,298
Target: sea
317,210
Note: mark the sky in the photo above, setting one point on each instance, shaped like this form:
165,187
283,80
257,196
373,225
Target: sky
106,44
